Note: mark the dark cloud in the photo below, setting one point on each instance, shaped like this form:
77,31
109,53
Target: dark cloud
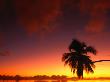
4,53
37,15
1,39
40,15
97,9
96,25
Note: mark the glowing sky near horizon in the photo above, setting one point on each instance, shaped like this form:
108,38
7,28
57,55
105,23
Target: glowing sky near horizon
35,33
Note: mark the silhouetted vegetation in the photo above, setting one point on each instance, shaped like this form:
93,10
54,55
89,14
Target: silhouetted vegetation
78,58
38,77
42,78
100,61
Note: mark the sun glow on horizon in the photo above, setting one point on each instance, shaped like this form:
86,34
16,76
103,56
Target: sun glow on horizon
100,71
51,65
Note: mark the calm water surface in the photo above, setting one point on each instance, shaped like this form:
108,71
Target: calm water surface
54,81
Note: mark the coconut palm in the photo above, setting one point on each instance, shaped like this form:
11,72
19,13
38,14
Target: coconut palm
77,58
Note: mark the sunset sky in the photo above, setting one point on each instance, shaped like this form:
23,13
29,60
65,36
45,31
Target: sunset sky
35,33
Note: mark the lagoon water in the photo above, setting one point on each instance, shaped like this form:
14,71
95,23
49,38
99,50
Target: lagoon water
54,81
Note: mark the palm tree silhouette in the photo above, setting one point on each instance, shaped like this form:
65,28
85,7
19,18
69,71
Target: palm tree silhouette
78,58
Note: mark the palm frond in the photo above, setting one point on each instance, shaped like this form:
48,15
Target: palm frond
71,60
89,65
91,50
65,56
75,45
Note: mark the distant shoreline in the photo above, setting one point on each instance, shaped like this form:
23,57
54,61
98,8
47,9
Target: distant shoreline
45,77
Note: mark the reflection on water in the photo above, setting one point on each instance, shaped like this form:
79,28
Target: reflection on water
54,81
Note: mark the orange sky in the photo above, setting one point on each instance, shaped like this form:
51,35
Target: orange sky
51,65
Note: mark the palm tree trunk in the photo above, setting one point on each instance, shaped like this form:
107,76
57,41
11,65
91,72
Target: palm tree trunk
100,61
